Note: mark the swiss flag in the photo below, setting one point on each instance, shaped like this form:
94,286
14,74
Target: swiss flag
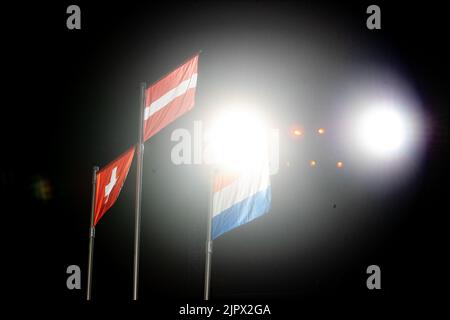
170,97
110,180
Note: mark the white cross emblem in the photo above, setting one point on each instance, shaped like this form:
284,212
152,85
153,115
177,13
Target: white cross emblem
111,184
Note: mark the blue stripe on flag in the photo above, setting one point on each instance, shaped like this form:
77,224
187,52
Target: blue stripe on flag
242,212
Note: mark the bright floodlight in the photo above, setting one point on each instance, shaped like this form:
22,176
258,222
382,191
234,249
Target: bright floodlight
237,139
382,131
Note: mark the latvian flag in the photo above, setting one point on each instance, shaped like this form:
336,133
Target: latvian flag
239,198
170,97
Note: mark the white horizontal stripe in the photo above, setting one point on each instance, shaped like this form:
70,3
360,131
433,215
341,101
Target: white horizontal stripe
244,187
169,96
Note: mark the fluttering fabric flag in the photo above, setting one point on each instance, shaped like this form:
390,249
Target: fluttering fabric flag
170,97
239,198
109,182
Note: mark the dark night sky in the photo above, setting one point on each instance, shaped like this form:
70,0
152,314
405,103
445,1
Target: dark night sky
72,101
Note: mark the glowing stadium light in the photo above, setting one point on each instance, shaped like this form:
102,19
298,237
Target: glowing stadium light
382,131
312,163
296,132
321,130
339,164
237,139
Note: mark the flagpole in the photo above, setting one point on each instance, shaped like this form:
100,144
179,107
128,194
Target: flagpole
209,242
137,222
91,235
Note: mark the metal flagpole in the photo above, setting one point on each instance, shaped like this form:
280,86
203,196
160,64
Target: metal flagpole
209,242
91,235
137,222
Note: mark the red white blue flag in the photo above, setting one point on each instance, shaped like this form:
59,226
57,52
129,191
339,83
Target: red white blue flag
239,198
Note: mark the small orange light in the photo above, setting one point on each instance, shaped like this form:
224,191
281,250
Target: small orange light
340,164
297,132
321,130
312,163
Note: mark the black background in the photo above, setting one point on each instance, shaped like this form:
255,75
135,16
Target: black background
70,101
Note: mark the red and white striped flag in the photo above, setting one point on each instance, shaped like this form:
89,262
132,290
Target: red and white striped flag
170,97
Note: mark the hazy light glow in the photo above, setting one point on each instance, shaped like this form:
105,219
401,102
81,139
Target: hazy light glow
237,139
382,131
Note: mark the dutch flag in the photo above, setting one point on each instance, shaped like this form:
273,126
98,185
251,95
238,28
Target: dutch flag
239,198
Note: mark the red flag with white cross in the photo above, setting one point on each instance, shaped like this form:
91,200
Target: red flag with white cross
109,182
